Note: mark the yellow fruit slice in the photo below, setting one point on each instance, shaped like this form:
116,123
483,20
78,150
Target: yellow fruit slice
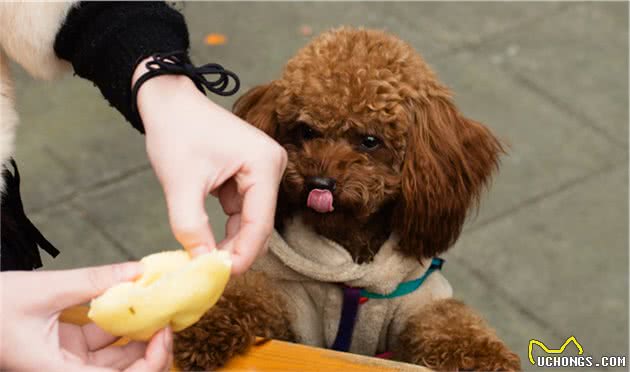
173,290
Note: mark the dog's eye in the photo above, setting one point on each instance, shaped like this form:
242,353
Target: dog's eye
370,143
307,133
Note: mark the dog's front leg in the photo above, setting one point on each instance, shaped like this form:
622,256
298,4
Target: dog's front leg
248,308
447,335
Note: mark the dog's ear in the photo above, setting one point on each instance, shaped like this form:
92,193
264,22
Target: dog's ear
448,161
257,107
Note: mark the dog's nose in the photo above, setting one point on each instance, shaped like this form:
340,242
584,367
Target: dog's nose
325,183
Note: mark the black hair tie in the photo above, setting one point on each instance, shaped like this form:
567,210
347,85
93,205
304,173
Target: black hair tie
175,63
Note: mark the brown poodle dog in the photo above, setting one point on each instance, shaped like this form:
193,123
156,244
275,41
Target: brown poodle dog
382,172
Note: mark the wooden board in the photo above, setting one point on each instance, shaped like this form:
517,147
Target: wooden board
284,356
275,355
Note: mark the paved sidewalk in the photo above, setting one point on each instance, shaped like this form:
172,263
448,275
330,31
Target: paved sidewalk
547,255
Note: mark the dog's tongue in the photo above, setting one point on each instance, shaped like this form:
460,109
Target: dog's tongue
320,200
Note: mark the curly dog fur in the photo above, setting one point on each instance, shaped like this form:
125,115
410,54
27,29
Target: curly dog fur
248,308
431,163
363,108
447,336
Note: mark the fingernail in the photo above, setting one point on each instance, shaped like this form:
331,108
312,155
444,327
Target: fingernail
130,270
168,339
237,268
199,250
228,245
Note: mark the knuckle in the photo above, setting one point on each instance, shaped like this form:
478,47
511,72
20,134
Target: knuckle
282,153
284,157
274,149
185,224
187,228
266,228
278,155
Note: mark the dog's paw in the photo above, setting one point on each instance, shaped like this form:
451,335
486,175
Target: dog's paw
211,342
504,360
496,357
249,307
447,335
492,357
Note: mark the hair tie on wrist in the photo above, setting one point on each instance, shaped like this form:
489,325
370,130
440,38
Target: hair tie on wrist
173,64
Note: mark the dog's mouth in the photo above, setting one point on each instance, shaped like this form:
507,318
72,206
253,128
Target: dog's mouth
320,200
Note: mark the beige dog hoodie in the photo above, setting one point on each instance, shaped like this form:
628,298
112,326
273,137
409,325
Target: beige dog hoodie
310,271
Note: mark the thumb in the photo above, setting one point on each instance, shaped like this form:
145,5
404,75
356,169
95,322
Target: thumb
188,217
72,287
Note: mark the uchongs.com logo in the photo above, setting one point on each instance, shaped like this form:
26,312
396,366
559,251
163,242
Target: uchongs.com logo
554,357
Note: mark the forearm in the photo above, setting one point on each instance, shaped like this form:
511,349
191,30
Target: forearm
165,92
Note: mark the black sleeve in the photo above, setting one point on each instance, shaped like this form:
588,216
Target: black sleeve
104,41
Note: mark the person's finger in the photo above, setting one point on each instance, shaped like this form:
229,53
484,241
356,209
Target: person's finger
68,362
158,354
72,356
118,357
66,288
256,223
71,339
83,339
169,362
188,217
96,338
230,199
232,225
231,229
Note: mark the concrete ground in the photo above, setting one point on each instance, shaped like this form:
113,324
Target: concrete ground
547,255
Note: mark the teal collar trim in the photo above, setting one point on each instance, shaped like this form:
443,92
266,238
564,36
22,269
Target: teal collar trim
405,288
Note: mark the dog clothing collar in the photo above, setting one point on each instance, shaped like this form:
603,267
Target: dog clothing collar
353,297
301,253
410,286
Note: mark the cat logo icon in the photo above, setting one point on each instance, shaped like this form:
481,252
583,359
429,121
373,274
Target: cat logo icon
547,350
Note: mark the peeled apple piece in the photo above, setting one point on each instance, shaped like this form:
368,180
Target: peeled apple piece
173,289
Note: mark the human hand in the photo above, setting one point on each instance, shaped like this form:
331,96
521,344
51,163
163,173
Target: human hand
33,338
196,148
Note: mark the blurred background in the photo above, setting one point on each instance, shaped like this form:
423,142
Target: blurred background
546,257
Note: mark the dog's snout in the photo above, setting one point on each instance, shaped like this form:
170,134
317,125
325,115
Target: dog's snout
324,183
